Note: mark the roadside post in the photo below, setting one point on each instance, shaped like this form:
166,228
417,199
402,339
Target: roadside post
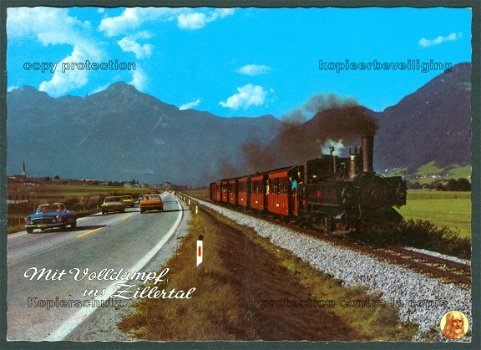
200,249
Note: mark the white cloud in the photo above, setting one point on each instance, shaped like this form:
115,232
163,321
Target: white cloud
253,69
130,44
190,105
49,25
100,88
194,20
197,20
133,18
63,82
54,26
439,40
139,79
246,96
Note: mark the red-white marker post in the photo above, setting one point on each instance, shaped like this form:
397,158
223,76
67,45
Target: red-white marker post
200,250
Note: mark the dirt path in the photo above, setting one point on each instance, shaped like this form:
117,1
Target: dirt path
271,294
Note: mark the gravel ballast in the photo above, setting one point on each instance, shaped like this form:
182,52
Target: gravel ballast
419,298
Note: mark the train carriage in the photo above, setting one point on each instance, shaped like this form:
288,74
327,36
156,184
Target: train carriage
257,192
232,191
215,191
243,193
224,190
277,191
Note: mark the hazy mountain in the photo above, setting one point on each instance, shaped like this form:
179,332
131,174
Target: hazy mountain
120,134
433,123
123,134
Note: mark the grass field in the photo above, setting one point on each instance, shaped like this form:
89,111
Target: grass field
451,209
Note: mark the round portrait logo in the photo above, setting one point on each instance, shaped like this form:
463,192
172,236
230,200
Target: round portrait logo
454,325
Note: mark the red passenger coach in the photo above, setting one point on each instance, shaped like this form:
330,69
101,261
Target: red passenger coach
232,191
257,195
215,193
224,189
243,192
277,191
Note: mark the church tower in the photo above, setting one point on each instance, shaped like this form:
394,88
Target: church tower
24,172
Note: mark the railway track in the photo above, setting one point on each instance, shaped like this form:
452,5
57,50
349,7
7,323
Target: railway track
436,267
444,269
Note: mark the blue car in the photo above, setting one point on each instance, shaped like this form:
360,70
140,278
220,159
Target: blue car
50,216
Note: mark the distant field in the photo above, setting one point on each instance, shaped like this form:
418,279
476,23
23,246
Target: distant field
455,172
458,172
451,209
81,190
429,168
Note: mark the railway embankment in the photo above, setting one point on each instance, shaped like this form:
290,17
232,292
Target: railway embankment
420,298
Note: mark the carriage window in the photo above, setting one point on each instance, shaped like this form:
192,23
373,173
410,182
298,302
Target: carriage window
242,186
275,186
256,187
284,186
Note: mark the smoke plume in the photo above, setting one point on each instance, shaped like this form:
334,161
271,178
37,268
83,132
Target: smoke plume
307,131
336,146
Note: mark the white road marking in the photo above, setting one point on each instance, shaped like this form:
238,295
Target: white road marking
73,322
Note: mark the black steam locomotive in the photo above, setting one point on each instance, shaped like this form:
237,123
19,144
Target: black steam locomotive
331,193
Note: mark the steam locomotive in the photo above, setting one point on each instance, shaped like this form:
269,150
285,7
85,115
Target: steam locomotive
330,193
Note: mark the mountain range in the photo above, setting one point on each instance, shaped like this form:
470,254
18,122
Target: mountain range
123,134
431,124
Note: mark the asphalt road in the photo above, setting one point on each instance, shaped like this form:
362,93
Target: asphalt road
114,241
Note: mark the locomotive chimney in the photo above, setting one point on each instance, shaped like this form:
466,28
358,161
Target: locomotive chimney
367,153
352,165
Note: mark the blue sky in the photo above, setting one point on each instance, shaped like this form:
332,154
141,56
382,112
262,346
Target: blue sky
235,62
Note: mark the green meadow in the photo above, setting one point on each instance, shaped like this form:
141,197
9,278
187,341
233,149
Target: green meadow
442,208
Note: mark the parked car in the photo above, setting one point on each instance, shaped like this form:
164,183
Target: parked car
50,216
150,202
128,201
112,204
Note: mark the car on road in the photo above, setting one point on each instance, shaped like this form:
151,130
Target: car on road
112,204
128,201
150,202
50,216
